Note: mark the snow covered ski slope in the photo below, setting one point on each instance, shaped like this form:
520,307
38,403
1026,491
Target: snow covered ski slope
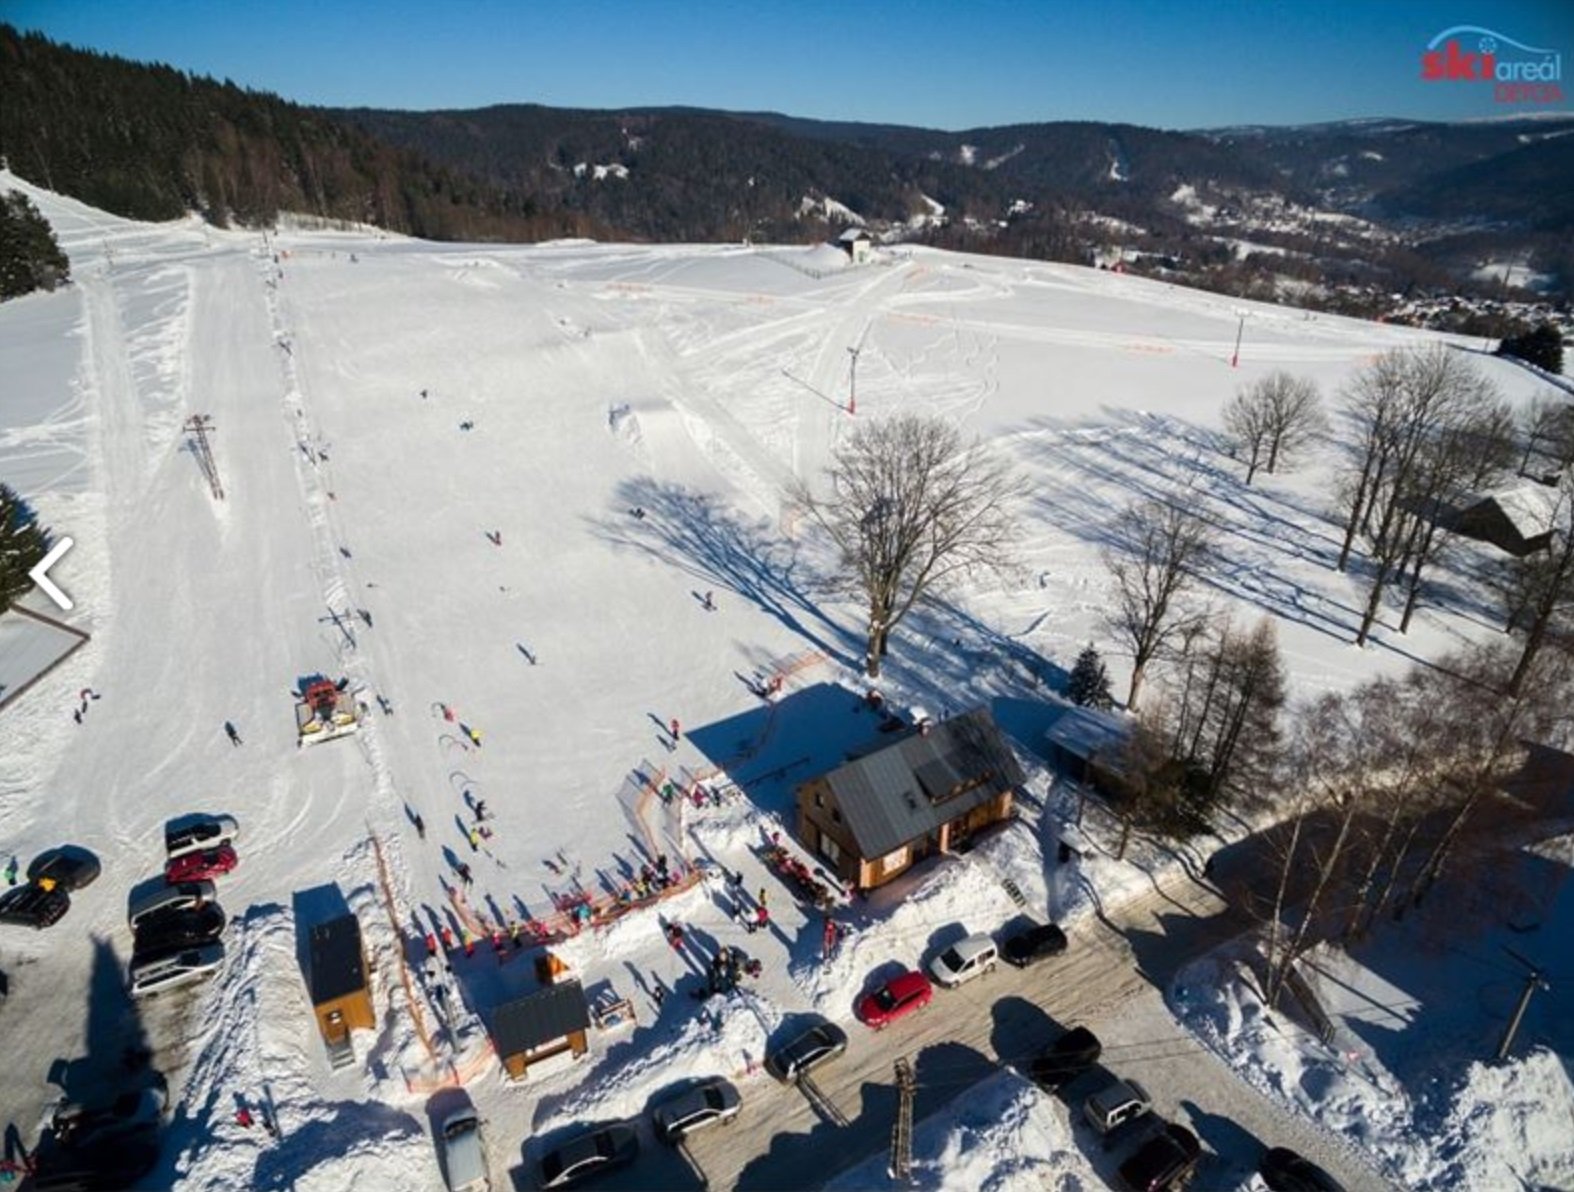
531,502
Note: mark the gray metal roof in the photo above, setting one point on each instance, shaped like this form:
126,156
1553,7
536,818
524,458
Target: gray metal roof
1087,731
541,1017
904,791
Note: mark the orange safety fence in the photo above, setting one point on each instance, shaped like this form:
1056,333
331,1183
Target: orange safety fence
452,1075
399,937
563,924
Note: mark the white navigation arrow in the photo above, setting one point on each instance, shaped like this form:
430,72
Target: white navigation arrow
38,576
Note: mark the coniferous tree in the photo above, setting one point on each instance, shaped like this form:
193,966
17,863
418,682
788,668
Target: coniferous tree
30,257
1541,346
1088,684
22,544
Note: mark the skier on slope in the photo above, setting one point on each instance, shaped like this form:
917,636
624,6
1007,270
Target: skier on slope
232,733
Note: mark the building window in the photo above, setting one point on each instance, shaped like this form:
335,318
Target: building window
836,815
819,798
894,860
830,850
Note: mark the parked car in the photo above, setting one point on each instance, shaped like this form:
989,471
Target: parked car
964,960
180,929
200,832
1115,1105
70,867
157,971
901,995
112,1163
34,906
1066,1058
814,1047
711,1104
200,866
1034,944
464,1154
1167,1160
75,1124
168,900
1285,1171
588,1154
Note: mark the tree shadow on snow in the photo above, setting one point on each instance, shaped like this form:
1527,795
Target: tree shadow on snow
698,534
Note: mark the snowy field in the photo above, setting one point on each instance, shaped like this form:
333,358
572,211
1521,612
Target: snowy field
430,455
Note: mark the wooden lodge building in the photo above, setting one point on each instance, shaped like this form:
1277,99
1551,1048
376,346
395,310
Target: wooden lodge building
881,812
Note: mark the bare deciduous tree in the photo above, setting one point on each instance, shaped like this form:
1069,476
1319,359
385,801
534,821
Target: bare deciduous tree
1547,437
912,506
1372,410
1273,419
1246,421
1464,457
1225,714
1295,417
1539,593
1416,418
1158,554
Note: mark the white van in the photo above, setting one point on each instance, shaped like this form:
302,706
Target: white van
169,900
166,970
464,1153
964,960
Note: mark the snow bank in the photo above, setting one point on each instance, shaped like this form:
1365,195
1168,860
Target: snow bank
1003,1135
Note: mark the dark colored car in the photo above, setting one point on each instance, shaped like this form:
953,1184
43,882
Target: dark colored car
181,929
1066,1058
200,832
71,867
593,1153
1285,1171
1167,1160
130,1113
33,906
99,1165
815,1046
207,864
900,996
1034,944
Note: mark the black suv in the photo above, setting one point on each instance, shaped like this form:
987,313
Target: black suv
1034,944
1285,1171
180,929
1167,1160
33,906
1066,1058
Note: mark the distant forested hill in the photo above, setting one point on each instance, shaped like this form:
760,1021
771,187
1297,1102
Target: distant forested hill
151,142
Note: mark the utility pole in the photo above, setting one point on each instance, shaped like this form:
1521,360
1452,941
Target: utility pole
1235,358
902,1132
852,381
198,426
1534,980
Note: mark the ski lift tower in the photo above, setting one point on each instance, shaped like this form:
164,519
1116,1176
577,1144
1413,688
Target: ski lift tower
1240,328
198,426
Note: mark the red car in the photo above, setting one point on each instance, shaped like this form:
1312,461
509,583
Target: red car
200,866
900,995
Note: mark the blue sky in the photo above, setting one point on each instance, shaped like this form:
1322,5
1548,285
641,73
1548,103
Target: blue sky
958,64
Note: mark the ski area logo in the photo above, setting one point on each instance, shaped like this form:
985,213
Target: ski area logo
1518,73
